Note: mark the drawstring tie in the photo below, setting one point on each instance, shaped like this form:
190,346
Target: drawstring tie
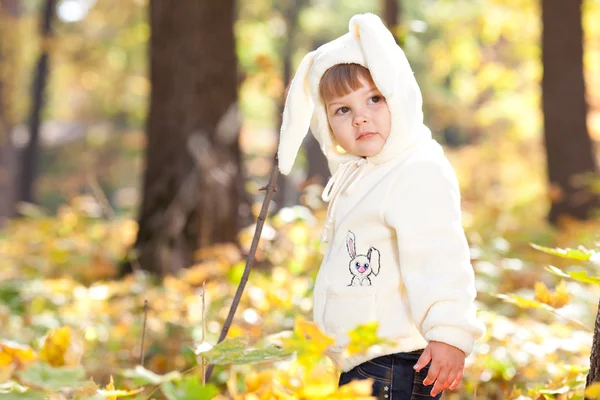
343,180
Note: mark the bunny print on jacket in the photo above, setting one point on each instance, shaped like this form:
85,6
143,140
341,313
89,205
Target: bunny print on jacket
361,266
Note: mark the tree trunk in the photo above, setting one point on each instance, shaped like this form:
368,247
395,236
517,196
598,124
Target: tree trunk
391,17
317,167
9,10
192,179
30,157
390,13
570,157
318,170
594,373
286,195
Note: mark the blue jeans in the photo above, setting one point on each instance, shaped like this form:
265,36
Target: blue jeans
394,377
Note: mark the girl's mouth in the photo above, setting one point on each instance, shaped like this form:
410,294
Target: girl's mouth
366,135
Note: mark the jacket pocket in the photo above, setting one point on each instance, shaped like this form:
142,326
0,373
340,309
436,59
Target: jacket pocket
394,315
348,306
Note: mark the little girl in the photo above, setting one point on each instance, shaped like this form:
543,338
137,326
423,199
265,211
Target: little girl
397,253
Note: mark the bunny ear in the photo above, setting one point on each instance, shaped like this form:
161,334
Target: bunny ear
351,244
382,54
297,115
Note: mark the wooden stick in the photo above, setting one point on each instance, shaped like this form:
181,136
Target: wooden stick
203,330
144,332
271,188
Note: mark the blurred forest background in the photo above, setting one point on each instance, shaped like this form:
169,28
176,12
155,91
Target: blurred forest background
135,137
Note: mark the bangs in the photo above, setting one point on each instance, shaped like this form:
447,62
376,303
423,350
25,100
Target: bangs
341,79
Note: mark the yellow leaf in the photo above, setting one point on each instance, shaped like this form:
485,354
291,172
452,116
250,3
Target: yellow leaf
363,337
15,355
111,393
311,331
558,299
111,384
60,347
593,391
309,343
358,390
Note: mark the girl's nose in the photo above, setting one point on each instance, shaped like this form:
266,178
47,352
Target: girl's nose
360,119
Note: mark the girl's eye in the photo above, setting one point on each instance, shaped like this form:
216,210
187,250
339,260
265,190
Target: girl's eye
342,110
376,99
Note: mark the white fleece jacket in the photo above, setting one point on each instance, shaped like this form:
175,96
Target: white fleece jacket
397,252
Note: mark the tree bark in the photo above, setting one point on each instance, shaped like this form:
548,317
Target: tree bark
9,10
594,373
193,162
318,169
390,13
286,195
30,157
391,17
570,157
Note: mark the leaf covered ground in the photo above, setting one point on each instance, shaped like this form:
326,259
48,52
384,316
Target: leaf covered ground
70,328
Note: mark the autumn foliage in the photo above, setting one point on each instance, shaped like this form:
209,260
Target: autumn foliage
72,330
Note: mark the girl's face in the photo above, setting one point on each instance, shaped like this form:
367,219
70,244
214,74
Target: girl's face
360,120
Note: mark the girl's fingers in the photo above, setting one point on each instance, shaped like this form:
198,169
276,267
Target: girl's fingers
440,383
431,377
423,360
456,382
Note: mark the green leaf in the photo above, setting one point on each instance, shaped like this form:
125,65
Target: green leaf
11,296
189,388
580,276
28,395
12,390
573,254
142,376
236,271
44,376
234,351
12,387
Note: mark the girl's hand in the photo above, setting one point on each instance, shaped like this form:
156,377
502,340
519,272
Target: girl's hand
447,366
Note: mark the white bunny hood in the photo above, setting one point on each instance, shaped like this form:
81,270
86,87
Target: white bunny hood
397,251
370,44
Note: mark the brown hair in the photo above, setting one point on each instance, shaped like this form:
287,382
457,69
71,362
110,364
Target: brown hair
341,79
